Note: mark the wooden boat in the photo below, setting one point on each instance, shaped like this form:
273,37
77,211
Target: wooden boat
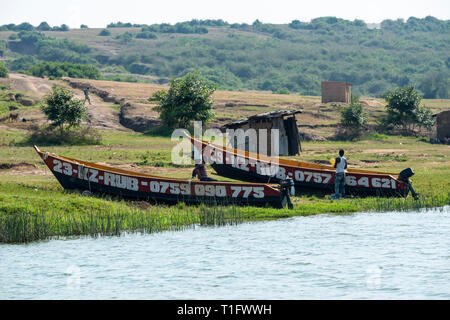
307,177
83,175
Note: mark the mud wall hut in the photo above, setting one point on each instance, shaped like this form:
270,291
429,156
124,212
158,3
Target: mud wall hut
336,91
443,126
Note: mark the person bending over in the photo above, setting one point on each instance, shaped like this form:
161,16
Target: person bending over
200,172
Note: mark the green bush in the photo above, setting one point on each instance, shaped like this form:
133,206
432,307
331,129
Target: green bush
4,72
405,111
56,70
43,26
124,38
62,109
270,57
353,116
52,136
188,99
104,33
146,35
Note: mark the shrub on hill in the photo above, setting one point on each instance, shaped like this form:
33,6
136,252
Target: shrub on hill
124,38
146,35
4,72
52,136
63,27
104,33
43,26
51,49
404,110
122,25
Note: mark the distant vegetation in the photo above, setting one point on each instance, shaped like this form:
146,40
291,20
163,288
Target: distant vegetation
42,47
55,70
25,26
53,58
181,27
291,58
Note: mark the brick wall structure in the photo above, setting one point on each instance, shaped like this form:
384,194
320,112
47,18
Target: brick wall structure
336,91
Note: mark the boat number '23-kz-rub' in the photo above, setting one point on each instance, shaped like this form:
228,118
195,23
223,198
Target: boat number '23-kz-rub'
83,175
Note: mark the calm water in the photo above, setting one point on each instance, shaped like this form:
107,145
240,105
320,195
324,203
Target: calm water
360,256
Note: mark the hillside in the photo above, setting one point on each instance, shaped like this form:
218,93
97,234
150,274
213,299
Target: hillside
292,58
124,106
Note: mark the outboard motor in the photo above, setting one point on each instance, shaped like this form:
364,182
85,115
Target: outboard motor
404,176
287,188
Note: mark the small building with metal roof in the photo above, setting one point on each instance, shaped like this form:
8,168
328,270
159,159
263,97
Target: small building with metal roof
282,120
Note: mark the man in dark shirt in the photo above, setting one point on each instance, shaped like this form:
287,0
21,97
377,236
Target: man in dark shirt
86,95
200,172
340,164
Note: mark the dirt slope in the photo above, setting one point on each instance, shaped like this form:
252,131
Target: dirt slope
101,114
33,86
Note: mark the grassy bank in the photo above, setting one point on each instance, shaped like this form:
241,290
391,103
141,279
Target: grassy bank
33,206
30,213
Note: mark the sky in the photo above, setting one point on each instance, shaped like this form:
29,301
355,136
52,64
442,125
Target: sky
99,13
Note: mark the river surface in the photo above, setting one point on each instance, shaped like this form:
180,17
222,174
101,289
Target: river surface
395,255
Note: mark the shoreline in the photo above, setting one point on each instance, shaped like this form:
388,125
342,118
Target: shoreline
29,213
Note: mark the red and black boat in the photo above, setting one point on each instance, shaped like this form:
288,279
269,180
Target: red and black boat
83,175
307,177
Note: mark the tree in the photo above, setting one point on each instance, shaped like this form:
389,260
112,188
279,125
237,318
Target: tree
125,38
188,99
44,26
4,73
353,116
104,33
62,109
404,109
353,119
434,85
25,26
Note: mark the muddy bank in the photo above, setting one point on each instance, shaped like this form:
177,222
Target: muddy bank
133,117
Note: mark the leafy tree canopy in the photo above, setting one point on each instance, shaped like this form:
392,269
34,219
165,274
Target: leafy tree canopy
4,73
188,99
62,109
404,109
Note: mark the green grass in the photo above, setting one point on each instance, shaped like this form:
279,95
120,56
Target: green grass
5,102
35,207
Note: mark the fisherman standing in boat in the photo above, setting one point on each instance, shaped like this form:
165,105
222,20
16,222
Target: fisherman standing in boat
340,163
200,172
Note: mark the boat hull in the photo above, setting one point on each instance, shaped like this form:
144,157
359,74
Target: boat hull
302,187
307,177
81,175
